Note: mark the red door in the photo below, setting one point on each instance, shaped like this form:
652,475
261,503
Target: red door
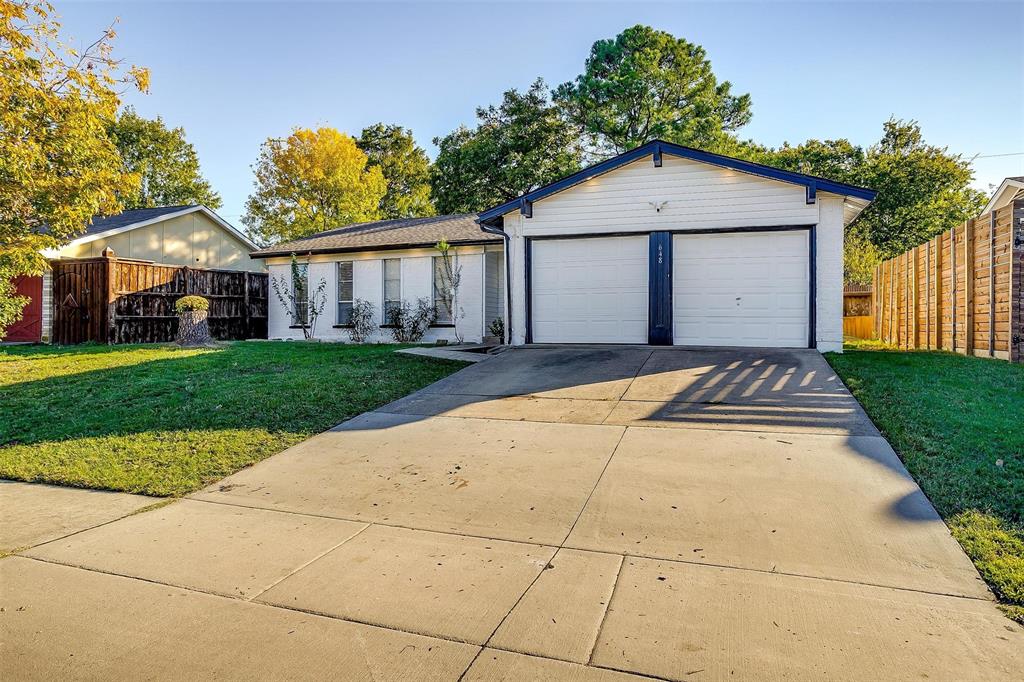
30,326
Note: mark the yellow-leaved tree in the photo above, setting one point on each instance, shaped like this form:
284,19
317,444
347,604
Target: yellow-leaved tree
310,181
58,166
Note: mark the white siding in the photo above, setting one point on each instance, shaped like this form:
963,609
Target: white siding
368,275
698,195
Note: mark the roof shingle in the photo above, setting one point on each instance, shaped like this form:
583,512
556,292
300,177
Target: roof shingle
385,234
125,218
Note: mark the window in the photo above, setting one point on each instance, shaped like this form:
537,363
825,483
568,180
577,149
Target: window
442,291
345,291
392,286
300,286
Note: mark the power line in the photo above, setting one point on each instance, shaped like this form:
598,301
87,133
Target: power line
993,156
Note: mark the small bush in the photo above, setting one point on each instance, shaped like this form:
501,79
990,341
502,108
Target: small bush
361,320
497,328
186,303
408,324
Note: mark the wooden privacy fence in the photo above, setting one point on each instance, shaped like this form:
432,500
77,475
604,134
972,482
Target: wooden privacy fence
119,300
961,291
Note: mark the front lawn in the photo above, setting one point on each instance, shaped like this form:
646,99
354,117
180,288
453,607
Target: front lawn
958,425
161,420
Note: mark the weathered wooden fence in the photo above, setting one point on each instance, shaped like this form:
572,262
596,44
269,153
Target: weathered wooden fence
960,291
120,300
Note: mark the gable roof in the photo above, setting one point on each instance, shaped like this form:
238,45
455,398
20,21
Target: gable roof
386,234
656,148
1006,192
102,227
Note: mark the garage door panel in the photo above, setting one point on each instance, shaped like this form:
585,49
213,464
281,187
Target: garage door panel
747,289
590,290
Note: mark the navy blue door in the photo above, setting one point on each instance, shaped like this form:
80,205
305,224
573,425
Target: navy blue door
659,290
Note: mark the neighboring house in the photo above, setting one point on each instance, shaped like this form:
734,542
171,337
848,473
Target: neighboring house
173,235
386,262
663,245
1009,190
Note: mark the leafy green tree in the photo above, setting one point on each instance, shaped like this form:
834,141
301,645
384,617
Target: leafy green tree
517,146
58,168
646,84
406,169
310,181
164,160
922,189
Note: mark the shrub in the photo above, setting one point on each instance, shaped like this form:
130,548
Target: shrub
187,303
361,320
497,328
409,325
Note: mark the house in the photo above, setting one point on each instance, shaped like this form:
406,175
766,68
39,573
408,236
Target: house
1008,190
661,245
173,235
386,262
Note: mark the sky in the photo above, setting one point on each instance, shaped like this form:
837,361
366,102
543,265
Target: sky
235,73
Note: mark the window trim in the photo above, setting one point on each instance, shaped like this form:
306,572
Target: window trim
338,300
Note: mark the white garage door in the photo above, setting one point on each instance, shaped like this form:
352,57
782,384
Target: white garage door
589,290
743,289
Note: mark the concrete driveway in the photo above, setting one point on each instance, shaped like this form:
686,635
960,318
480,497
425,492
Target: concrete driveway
551,513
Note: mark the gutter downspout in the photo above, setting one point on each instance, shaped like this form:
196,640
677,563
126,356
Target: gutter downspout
508,277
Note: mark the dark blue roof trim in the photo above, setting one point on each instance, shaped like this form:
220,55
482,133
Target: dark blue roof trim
659,147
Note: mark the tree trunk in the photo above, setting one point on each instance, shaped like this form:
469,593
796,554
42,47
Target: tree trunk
193,328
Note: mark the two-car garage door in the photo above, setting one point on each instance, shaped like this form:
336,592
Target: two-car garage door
728,289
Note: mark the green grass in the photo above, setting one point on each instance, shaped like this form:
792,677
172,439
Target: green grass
958,425
165,421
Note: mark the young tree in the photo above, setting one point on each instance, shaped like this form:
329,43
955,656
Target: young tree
516,147
646,84
311,181
57,165
166,163
922,189
304,305
406,169
451,281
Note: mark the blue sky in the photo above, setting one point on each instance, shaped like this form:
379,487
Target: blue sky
236,73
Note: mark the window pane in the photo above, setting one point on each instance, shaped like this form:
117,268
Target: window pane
345,281
300,285
345,312
442,291
392,279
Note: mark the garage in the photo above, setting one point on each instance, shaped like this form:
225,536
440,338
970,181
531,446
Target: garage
670,245
741,289
589,290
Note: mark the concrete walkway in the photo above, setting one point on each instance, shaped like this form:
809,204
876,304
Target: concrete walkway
550,513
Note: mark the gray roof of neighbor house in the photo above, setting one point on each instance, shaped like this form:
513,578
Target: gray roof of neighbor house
125,218
386,234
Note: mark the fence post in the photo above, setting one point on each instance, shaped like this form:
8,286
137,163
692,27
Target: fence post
110,293
969,286
892,297
245,304
992,284
938,292
916,340
952,282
